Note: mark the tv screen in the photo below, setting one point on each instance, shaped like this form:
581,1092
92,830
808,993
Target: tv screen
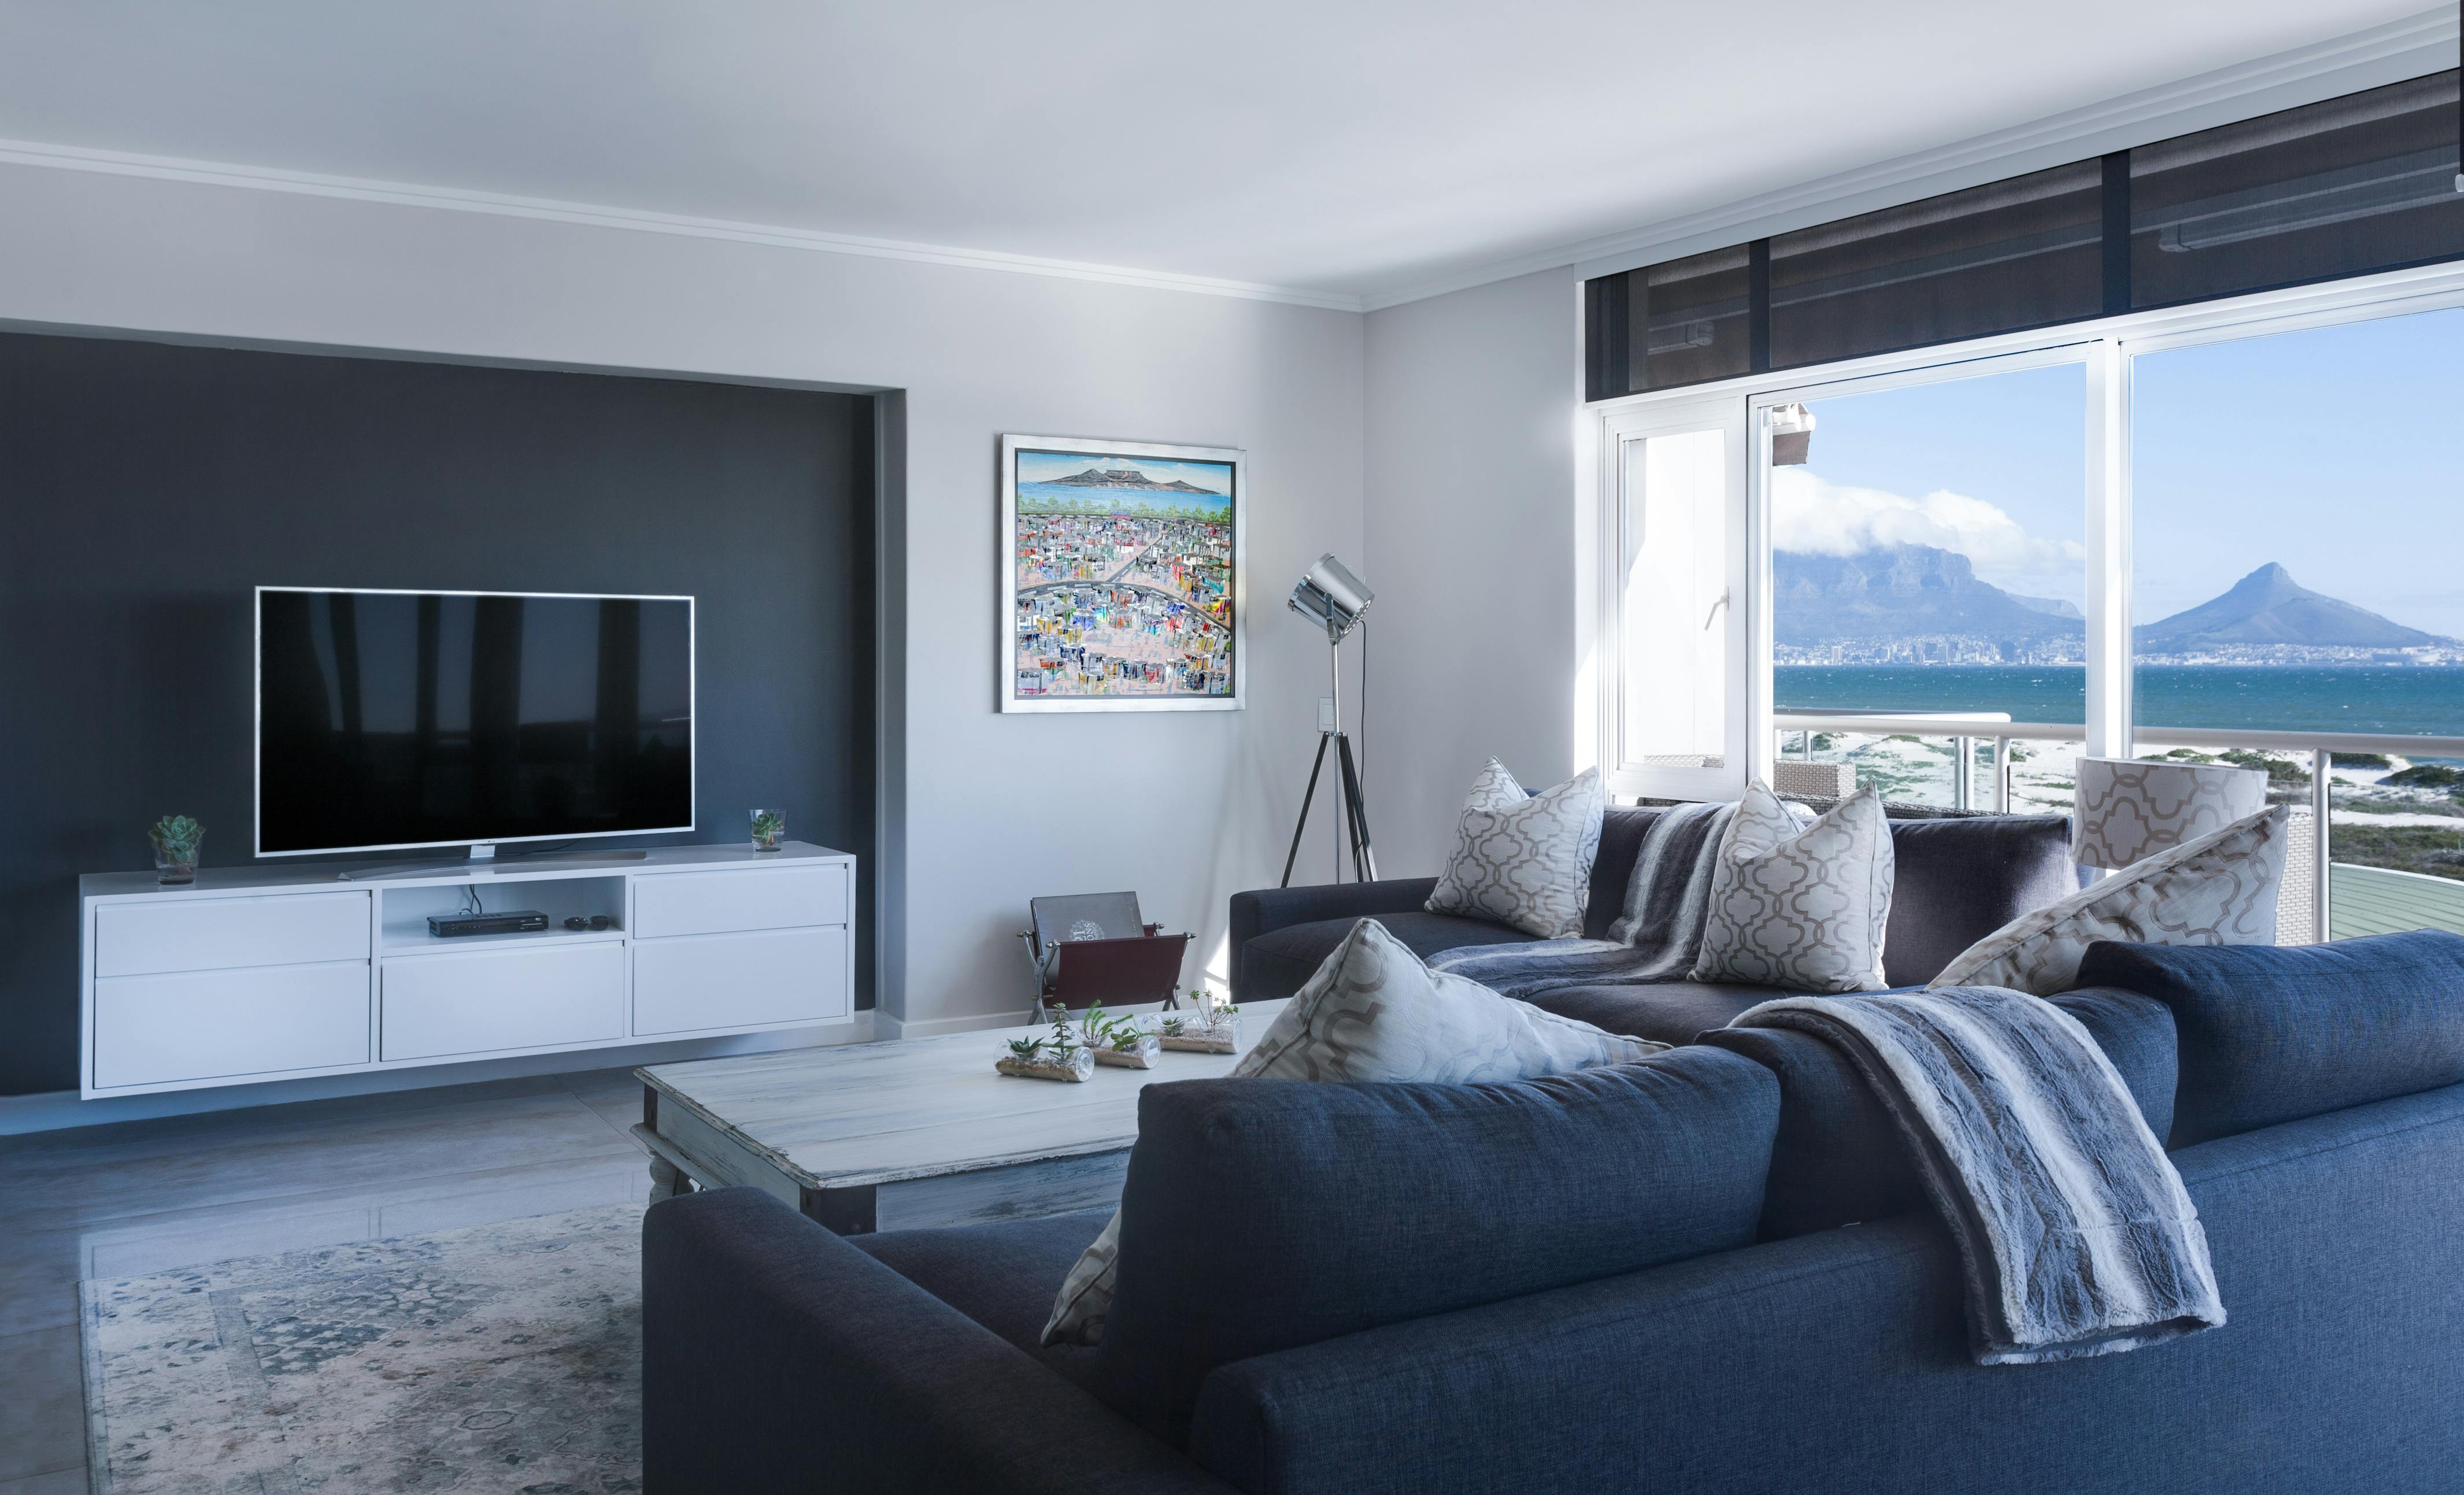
395,719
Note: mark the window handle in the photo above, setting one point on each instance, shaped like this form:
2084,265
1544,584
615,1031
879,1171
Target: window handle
1719,603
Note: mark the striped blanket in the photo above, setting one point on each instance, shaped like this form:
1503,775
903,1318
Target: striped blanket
1656,937
2075,1232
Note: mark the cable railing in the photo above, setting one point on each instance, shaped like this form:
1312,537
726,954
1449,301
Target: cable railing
1985,742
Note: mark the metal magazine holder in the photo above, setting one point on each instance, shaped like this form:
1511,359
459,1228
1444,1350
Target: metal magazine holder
1092,947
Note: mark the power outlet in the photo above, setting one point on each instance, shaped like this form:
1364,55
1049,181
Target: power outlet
1326,713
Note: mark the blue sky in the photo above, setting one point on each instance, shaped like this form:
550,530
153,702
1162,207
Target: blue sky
1042,466
2331,450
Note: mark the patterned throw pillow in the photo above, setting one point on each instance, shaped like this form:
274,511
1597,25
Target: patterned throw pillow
2218,889
1796,906
1524,861
1374,1011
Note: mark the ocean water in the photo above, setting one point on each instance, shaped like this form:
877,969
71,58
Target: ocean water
2415,700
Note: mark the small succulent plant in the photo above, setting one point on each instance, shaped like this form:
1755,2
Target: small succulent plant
1120,1033
177,838
1025,1049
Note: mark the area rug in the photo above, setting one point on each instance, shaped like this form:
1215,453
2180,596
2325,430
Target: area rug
499,1357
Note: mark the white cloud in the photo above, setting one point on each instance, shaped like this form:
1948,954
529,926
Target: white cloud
1824,518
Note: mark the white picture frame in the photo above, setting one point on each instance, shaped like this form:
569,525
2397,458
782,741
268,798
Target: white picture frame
1071,570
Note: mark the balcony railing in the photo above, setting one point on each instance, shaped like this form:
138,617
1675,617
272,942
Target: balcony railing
2322,897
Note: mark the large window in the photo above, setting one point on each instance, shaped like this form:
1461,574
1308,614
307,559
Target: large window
2297,570
2222,533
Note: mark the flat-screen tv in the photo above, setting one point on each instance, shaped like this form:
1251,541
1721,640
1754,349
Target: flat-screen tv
389,720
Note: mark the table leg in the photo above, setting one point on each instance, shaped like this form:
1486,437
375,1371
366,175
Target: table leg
666,1179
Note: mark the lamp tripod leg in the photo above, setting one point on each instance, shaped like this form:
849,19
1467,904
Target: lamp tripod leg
1364,856
1308,795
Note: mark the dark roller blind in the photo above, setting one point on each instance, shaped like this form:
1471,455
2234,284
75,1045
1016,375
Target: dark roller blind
2355,185
1683,321
2022,252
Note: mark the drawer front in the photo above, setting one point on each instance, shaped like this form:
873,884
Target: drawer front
213,1024
723,903
740,980
178,934
434,1005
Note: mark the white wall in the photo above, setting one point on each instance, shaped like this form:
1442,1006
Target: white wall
1185,807
1471,402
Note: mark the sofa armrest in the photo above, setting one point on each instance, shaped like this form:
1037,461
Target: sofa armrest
778,1358
1266,910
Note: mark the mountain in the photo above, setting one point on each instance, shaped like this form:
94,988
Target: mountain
2269,607
1130,477
1904,591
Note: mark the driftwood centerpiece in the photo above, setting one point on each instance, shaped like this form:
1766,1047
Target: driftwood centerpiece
1124,1043
1058,1057
1213,1029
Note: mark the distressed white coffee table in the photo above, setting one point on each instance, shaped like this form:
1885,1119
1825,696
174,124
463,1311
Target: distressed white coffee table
901,1134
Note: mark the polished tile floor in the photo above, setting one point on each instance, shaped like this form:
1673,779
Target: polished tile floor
148,1196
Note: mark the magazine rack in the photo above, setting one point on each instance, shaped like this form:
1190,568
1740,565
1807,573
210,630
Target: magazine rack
1090,948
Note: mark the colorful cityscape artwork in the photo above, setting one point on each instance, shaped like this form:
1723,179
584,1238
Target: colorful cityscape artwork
1122,587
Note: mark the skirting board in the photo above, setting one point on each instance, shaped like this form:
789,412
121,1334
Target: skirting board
53,1110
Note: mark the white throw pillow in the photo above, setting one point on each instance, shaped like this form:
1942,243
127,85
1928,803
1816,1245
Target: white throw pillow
1375,1011
1524,861
2218,889
1796,905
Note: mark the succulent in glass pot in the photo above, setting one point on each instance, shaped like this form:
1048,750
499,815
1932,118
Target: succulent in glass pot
177,842
769,829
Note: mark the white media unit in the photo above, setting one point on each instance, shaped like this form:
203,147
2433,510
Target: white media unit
270,973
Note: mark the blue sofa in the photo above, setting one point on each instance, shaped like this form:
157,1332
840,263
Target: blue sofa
1956,880
1711,1272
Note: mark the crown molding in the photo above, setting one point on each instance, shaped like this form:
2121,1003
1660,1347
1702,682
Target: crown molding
272,179
2387,54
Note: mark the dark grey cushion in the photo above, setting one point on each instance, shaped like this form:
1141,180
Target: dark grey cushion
1613,868
2274,1035
1261,1215
1840,1159
1672,1012
1956,881
1002,1275
1280,962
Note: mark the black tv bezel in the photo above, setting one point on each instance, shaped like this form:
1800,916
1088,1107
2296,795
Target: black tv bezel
256,719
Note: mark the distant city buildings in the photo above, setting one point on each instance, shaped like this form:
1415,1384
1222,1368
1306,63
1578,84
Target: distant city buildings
1122,604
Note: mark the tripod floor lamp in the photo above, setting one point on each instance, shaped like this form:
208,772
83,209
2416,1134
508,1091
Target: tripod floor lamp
1333,597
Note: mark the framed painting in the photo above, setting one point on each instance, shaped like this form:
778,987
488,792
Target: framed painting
1124,585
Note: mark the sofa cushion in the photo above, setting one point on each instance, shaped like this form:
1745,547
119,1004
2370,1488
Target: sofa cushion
2274,1035
1262,1214
1956,881
1621,833
1839,1158
1524,860
1001,1275
1281,961
1802,908
2219,888
1672,1012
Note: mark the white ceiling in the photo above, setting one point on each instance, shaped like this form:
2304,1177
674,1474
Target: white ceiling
1356,147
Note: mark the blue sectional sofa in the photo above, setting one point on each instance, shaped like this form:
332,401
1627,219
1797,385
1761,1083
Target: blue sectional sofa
1956,881
1712,1272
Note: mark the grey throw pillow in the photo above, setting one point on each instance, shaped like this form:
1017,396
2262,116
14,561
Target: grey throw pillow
1796,905
1375,1011
1524,861
2218,889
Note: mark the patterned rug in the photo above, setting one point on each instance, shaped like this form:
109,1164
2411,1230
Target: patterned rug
500,1358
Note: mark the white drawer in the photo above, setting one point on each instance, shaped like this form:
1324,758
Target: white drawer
183,934
741,980
212,1024
724,902
492,1000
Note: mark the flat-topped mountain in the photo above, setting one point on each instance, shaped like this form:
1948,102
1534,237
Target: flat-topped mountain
1904,591
2269,607
1129,477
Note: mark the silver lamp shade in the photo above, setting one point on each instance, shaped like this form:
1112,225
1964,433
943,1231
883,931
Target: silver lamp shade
2128,809
1333,595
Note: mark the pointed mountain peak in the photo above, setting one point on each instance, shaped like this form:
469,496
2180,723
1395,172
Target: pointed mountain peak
2269,609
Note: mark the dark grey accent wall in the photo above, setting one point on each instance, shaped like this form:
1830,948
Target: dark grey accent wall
145,489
